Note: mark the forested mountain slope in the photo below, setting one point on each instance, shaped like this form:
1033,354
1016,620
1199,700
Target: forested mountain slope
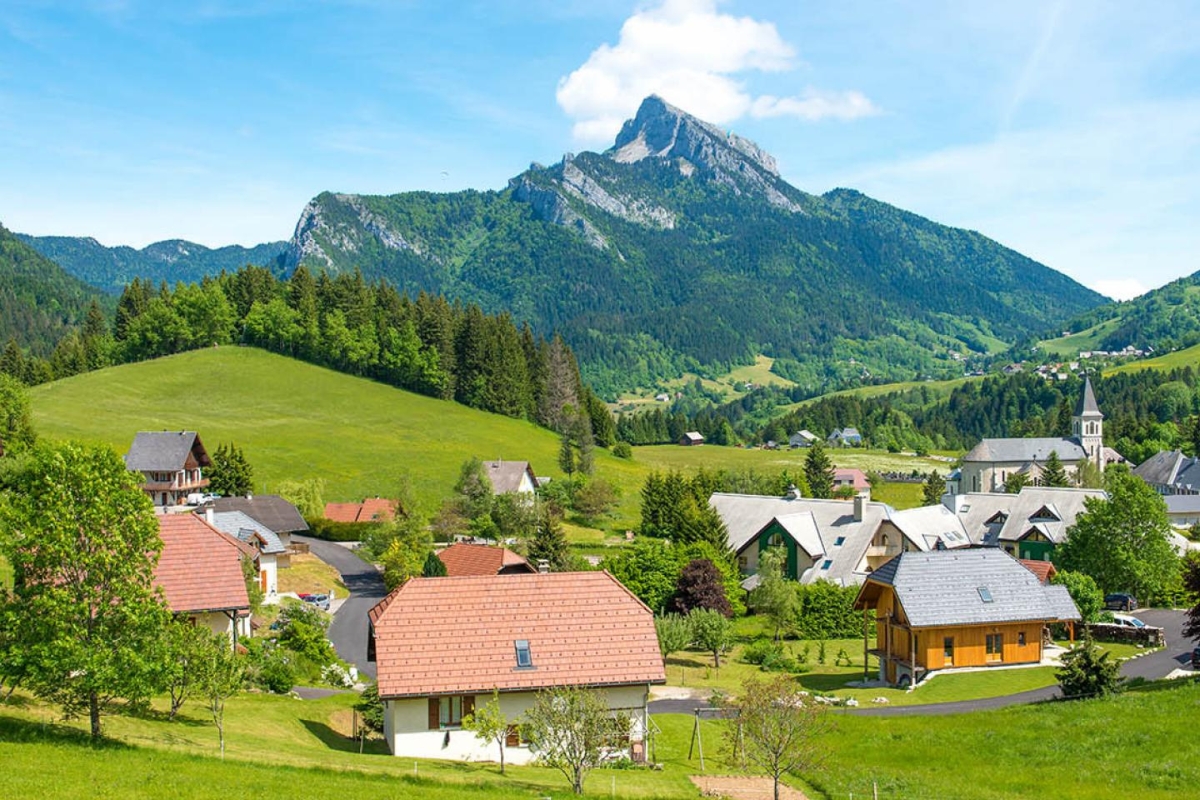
39,301
682,248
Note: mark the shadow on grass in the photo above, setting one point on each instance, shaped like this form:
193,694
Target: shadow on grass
824,681
340,742
23,731
155,715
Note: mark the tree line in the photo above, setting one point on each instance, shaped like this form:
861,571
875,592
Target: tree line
425,344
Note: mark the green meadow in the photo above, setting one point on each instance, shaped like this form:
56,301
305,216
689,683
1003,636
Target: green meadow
1132,745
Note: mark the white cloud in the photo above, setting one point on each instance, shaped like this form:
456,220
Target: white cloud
691,55
1120,288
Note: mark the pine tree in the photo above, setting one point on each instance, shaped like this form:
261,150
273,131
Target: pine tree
434,567
230,474
549,543
933,488
1053,473
818,472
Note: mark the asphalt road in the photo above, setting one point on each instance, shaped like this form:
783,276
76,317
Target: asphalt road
348,632
1159,664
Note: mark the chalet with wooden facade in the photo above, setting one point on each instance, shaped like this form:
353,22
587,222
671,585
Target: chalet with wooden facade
172,464
443,645
958,608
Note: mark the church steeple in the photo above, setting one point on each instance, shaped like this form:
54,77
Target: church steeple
1087,424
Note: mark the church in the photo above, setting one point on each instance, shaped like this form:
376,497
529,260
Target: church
990,463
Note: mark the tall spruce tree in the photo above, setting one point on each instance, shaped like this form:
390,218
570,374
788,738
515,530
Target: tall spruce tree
818,471
1053,472
230,474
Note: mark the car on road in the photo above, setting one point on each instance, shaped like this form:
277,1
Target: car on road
1120,601
1196,658
1126,621
321,601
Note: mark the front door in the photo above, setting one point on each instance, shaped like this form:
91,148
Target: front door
948,651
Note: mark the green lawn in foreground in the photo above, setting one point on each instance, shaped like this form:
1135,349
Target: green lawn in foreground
296,421
1134,745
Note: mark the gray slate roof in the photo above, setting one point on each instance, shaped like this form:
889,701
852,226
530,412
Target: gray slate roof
506,475
1170,469
271,510
925,526
989,518
1087,405
941,587
164,451
1022,450
815,524
237,523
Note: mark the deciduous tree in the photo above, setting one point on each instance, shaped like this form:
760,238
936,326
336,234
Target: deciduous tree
1084,591
776,728
86,624
712,632
16,420
701,586
221,673
489,724
674,633
775,596
570,728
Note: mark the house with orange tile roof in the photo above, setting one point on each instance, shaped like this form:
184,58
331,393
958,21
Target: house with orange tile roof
442,646
372,509
200,574
482,559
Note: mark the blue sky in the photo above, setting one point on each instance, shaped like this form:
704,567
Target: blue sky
1067,130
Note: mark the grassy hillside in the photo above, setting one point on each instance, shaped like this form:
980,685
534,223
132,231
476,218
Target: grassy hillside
1187,357
297,421
1069,346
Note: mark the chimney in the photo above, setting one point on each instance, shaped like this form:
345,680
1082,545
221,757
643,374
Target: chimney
208,515
792,493
860,506
543,565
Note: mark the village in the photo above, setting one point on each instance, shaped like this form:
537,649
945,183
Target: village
962,591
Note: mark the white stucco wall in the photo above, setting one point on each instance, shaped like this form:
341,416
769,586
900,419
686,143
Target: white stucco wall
267,565
406,726
215,621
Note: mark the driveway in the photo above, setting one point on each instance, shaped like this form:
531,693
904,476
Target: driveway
1156,665
348,632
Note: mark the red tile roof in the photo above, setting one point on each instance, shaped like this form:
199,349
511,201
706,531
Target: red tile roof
437,636
1043,569
850,476
200,568
481,559
369,510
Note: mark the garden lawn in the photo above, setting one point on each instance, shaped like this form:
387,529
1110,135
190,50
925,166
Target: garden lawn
296,421
898,495
1134,745
309,574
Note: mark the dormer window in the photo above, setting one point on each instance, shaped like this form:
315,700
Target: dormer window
524,656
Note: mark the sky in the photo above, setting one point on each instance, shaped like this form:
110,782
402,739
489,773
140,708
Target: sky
1069,131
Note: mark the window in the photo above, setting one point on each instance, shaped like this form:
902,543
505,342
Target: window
1020,638
827,563
985,594
524,657
776,540
948,650
839,541
995,647
450,712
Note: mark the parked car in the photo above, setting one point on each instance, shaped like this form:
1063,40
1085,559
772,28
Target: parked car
1120,601
1196,658
1126,621
321,601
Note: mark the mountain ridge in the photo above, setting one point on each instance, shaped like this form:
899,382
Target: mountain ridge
172,260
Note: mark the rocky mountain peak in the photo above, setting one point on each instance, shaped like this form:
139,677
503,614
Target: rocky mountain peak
662,130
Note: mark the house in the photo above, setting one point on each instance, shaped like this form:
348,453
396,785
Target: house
442,646
856,479
482,559
845,437
958,608
802,438
913,530
691,439
272,511
824,539
1043,570
510,477
267,547
372,509
1183,510
200,574
172,464
1028,525
1170,472
987,466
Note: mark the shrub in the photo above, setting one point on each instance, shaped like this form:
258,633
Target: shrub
826,611
330,531
622,450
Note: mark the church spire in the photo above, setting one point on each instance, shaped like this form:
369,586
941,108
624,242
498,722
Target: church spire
1087,407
